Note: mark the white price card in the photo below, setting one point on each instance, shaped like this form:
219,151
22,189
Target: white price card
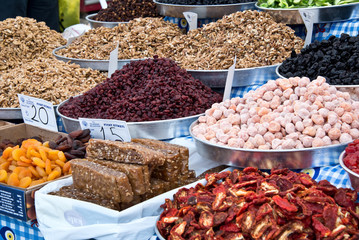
114,130
103,4
112,65
229,80
191,18
38,112
308,19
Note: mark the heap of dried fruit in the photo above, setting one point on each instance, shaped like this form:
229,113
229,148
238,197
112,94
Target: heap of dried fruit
140,38
250,204
24,39
336,59
31,164
203,2
145,90
126,10
351,159
48,79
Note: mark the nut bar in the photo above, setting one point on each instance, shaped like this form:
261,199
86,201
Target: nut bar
158,187
124,152
102,180
176,164
74,193
138,175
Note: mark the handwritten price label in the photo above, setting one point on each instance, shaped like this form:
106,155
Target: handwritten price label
38,112
113,130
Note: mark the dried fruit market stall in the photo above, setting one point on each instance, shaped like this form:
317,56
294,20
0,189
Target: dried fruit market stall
153,150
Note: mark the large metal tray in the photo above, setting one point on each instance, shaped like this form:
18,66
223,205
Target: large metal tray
322,14
160,130
95,24
268,159
101,65
203,11
242,77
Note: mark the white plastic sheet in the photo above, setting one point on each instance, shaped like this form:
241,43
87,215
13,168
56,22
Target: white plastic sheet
64,218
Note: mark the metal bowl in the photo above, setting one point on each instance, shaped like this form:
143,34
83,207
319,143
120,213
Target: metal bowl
242,77
101,65
268,159
203,11
95,24
12,113
162,129
322,14
277,71
354,177
159,236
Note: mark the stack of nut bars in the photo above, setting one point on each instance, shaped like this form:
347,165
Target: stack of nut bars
118,175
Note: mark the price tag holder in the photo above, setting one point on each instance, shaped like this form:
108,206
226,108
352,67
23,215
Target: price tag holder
103,4
229,80
114,130
308,19
38,112
112,65
191,18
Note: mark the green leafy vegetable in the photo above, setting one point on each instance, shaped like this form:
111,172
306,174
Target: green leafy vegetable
302,3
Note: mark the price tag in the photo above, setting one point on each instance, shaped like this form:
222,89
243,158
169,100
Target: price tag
103,4
38,112
308,19
229,80
191,18
106,129
112,65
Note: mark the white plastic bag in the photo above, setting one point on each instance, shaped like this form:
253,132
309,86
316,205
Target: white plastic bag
65,218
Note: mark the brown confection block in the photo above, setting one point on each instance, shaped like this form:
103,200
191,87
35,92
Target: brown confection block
75,193
124,152
158,187
104,181
136,200
176,164
138,175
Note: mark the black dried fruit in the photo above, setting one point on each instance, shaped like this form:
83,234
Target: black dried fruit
203,2
336,59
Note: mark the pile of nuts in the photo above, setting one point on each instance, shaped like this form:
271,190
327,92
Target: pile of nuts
126,10
48,79
144,90
140,38
283,114
24,39
252,36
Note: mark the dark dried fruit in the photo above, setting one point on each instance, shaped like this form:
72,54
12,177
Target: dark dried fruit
146,90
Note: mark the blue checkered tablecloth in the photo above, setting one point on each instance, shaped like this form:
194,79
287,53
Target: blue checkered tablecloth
21,230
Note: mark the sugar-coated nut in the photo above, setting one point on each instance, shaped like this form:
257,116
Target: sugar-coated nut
290,128
263,147
345,138
318,142
354,133
299,126
307,141
345,128
268,137
249,145
310,131
320,133
318,119
303,113
217,114
347,118
327,141
288,144
234,142
334,133
307,122
202,119
276,143
274,127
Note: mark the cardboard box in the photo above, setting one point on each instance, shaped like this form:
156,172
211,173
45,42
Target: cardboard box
18,202
4,124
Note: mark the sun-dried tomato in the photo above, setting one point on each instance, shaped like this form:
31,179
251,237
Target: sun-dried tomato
250,204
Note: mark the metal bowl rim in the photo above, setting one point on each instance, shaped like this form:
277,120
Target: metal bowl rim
306,8
277,71
156,229
262,151
89,60
237,69
90,16
203,6
341,162
130,123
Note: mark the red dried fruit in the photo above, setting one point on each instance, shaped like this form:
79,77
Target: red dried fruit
284,204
